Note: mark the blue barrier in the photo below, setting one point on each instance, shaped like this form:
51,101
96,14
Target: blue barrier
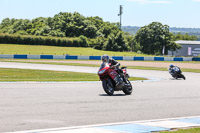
46,56
20,56
195,59
71,57
178,59
158,58
117,57
94,57
75,57
138,58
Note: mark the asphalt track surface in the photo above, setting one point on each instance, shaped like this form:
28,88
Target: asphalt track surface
40,105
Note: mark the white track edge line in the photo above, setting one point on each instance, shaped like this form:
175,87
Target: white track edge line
96,125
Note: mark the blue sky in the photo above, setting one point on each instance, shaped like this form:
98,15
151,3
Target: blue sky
175,13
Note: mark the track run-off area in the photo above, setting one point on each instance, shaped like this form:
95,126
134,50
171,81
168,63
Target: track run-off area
42,105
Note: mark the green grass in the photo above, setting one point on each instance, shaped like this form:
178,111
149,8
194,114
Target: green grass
56,63
137,78
9,74
53,50
192,130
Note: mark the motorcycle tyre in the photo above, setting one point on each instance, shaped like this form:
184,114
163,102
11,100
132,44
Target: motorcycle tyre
126,90
106,84
182,76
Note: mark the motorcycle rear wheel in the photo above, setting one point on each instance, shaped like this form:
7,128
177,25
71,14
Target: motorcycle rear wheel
108,87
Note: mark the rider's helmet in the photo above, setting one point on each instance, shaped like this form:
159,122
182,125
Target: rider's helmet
171,66
105,58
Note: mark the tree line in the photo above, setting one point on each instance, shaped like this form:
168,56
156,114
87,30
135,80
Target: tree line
64,24
73,29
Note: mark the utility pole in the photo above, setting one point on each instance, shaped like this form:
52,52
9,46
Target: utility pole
120,15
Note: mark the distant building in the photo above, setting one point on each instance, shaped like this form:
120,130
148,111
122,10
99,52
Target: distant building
189,48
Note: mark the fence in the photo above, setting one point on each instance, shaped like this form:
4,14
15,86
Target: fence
75,57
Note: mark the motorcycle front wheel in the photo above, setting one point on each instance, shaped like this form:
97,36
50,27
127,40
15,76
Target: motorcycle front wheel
182,76
128,89
108,86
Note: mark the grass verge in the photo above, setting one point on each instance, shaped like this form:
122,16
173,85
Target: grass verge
55,50
192,130
9,74
57,63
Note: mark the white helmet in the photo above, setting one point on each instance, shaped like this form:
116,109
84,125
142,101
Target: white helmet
105,58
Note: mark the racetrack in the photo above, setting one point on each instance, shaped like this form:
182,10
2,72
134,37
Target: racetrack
30,105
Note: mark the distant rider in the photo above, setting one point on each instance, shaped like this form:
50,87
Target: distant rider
172,69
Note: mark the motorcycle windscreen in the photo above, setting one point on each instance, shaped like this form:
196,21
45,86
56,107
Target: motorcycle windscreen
103,65
176,69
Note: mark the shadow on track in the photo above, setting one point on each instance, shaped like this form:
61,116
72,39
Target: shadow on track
112,95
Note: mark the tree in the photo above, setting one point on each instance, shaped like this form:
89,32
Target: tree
13,26
131,42
180,36
120,41
154,38
116,42
5,23
66,24
90,31
106,30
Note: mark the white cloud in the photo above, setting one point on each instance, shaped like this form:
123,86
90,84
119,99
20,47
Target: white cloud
153,1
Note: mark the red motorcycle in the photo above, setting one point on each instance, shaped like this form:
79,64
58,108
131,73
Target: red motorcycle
114,80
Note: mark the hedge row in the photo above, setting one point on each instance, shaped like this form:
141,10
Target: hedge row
41,40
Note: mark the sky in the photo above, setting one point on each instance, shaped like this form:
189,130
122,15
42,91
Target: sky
175,13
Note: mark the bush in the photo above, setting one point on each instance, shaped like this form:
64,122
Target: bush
84,42
41,40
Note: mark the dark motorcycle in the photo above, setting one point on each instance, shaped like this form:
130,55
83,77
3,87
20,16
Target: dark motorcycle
113,80
177,73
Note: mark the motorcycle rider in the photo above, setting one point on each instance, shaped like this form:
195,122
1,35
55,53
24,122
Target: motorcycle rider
171,69
113,64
